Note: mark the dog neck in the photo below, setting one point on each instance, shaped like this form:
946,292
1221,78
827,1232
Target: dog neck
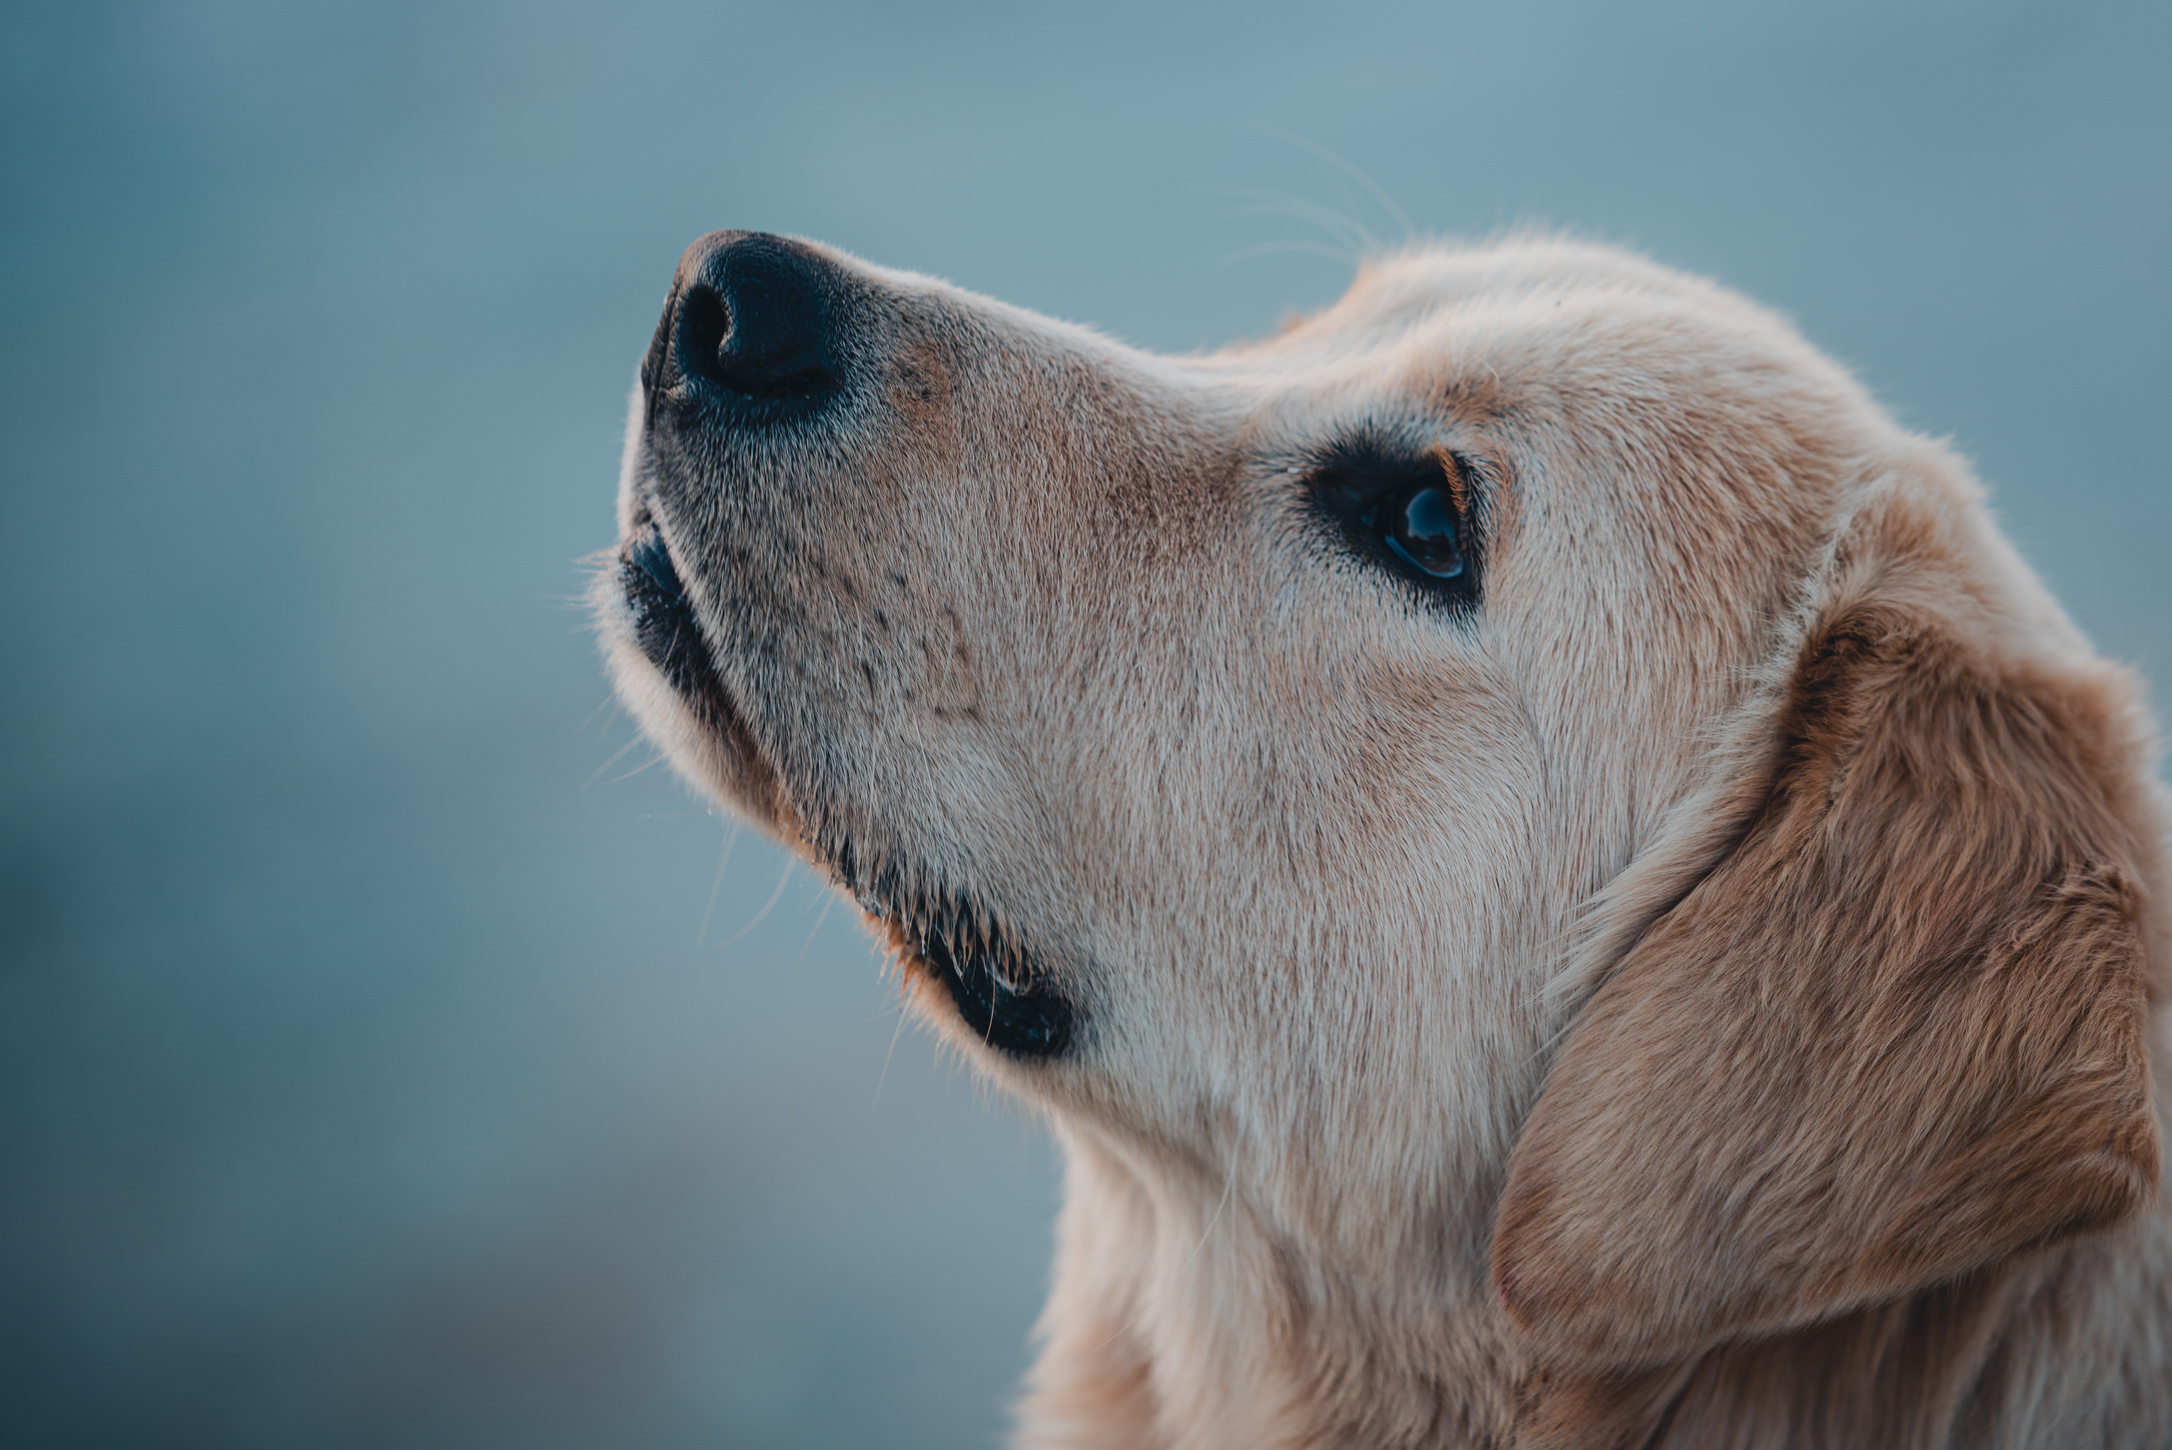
1182,1317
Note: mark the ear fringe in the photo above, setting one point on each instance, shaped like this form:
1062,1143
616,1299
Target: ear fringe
1870,1011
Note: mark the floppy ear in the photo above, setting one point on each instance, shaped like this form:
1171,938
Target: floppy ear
1896,1033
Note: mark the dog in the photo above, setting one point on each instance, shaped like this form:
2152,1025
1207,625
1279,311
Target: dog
1557,880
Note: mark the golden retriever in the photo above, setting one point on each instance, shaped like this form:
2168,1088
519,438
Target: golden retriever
1558,881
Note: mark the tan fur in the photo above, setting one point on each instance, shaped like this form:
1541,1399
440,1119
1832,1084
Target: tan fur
1710,998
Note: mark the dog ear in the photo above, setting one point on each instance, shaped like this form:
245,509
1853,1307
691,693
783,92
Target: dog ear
1895,1033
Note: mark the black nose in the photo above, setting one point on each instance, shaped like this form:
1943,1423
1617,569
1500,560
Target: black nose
751,317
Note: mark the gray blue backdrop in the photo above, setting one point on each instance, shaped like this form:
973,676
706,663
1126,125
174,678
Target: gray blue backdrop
368,1073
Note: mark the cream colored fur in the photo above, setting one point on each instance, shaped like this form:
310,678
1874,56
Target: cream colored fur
1338,881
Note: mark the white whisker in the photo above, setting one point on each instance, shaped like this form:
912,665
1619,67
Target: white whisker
650,764
615,757
1333,158
608,702
731,839
1265,201
894,1034
767,906
829,899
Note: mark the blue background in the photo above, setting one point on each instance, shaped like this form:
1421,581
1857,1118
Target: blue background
368,1075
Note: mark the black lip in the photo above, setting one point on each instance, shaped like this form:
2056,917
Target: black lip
1001,991
664,623
998,990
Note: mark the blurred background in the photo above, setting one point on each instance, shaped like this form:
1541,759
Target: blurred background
377,1065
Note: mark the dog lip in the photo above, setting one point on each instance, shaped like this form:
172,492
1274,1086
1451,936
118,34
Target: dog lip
648,554
1016,1011
1001,993
663,620
670,638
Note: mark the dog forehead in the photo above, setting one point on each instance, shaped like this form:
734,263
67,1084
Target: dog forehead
1563,323
1420,282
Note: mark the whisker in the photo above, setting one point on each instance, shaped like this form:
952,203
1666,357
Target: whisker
731,839
610,698
650,764
616,756
1265,201
895,1032
767,906
829,899
1335,159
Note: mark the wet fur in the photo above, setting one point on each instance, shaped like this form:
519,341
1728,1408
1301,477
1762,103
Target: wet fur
1712,997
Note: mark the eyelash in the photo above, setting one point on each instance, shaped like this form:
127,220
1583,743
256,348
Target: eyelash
1411,515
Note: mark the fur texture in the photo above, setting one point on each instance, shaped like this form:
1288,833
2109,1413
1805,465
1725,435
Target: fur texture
1708,995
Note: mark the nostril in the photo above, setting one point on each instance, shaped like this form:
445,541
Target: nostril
704,323
755,318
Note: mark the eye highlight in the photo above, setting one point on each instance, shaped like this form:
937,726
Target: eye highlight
1423,533
1409,513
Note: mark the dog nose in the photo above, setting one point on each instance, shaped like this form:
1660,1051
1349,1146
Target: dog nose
752,317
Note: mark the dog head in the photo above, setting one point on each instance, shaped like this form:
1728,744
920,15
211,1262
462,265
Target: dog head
1526,783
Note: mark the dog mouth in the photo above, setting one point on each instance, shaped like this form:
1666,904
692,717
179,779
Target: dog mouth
669,637
663,619
1003,993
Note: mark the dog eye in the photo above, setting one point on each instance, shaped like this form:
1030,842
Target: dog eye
1421,532
1410,515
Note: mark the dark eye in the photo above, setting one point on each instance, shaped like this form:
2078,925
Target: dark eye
1408,513
1421,531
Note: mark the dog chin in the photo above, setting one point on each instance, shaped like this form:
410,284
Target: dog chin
1000,992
